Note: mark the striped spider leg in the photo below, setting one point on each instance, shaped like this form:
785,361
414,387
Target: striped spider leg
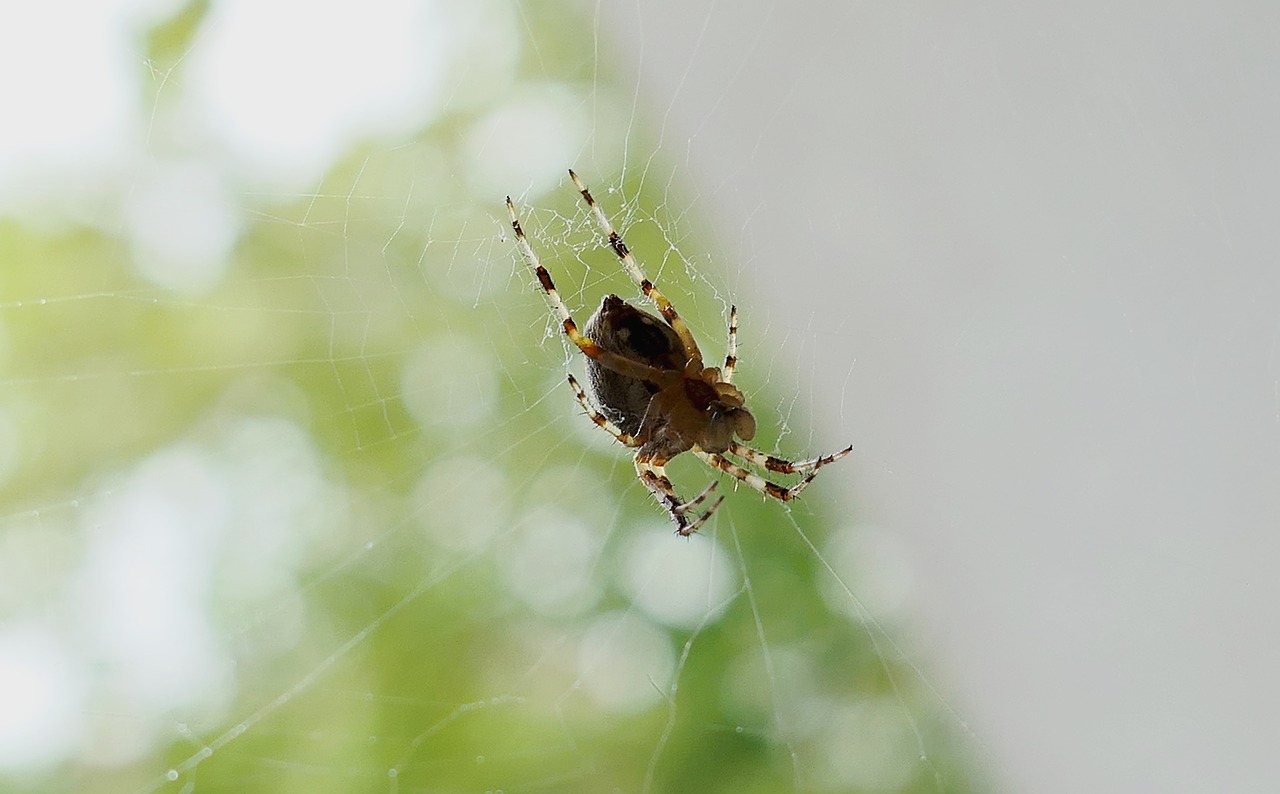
731,347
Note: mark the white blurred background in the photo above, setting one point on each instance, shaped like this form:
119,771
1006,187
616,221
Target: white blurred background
1047,234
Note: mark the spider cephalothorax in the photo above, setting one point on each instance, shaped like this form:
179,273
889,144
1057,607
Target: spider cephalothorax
654,392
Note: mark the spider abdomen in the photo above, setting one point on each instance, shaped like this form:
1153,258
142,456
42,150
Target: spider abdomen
621,328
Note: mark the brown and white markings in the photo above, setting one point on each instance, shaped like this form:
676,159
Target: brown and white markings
651,391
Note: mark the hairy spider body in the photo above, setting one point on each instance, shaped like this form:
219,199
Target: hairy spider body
654,392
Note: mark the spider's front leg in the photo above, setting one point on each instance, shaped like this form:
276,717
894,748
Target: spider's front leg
654,476
637,274
613,361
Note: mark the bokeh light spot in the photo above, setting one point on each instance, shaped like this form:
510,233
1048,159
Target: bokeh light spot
676,584
66,91
871,745
290,84
872,557
527,142
461,502
451,382
549,561
41,693
182,226
624,661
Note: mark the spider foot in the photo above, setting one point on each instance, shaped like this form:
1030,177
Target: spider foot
832,458
788,494
684,529
813,466
818,462
655,479
681,509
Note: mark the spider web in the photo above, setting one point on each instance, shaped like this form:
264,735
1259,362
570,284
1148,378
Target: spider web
295,496
299,497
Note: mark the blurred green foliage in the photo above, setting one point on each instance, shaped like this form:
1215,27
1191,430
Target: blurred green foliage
396,662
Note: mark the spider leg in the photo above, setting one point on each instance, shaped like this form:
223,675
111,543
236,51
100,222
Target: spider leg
784,466
731,350
755,480
613,361
699,499
654,477
626,439
637,275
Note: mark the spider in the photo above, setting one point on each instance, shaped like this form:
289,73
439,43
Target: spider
654,392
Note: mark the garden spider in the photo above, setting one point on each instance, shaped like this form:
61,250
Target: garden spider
655,394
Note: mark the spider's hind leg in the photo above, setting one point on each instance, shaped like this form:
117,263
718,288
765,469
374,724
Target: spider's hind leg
654,477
